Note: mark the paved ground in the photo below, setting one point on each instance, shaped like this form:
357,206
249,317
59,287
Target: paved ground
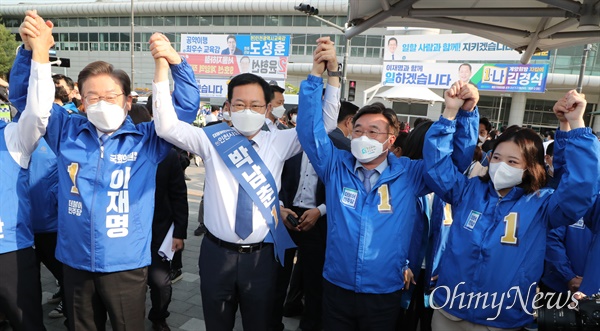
186,304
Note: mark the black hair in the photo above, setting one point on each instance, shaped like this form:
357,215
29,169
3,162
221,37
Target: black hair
379,108
413,145
104,68
230,37
346,109
486,123
467,65
400,139
246,79
139,114
420,120
56,78
550,149
394,39
550,133
532,150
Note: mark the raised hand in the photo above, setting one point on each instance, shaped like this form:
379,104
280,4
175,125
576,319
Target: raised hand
160,46
470,95
574,105
34,26
324,57
452,97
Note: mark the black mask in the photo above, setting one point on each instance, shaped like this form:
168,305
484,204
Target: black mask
61,94
77,102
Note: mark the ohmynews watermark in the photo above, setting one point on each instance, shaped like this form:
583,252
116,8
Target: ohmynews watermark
497,300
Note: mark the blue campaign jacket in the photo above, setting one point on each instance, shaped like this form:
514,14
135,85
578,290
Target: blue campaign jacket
567,248
584,250
15,222
497,245
368,233
591,275
43,181
106,196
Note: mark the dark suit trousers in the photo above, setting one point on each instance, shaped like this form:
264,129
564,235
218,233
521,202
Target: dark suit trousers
159,281
345,310
20,290
45,248
91,295
229,278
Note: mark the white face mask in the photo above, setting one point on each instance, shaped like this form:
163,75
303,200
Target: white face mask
482,138
294,118
106,117
278,111
226,116
504,176
247,122
366,149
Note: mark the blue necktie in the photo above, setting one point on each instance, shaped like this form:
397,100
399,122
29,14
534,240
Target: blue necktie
367,180
243,214
103,139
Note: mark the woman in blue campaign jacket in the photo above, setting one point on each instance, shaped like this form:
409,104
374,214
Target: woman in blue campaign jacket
494,255
107,170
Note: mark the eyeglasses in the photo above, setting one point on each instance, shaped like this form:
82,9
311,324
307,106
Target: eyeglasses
370,133
92,99
241,106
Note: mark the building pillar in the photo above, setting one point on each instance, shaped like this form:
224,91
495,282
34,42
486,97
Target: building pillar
517,109
596,124
434,112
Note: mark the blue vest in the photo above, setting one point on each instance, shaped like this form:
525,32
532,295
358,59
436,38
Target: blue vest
15,223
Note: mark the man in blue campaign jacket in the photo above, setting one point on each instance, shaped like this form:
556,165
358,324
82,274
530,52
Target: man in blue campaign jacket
107,169
489,270
20,291
370,221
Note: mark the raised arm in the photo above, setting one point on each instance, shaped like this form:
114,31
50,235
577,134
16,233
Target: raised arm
578,186
32,124
167,125
186,94
326,59
311,130
442,176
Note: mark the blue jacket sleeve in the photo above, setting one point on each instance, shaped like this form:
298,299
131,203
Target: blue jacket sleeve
311,132
578,186
592,217
465,139
556,255
591,275
19,75
186,95
558,158
442,175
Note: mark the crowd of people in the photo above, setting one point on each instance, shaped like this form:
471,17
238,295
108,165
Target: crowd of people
331,212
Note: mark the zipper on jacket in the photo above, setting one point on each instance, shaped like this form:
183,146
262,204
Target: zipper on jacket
92,244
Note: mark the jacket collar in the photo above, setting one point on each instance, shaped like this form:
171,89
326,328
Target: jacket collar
396,165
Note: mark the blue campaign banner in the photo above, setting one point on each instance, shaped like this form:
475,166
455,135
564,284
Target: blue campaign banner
248,45
267,45
512,77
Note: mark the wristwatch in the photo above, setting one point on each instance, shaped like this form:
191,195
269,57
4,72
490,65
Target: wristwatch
337,73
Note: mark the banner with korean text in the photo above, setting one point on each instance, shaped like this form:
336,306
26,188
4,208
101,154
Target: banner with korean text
217,87
449,47
486,76
268,67
229,55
